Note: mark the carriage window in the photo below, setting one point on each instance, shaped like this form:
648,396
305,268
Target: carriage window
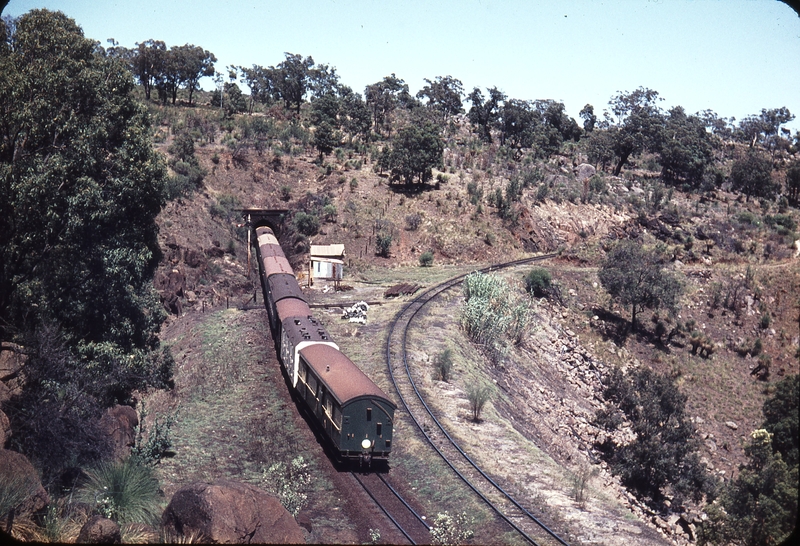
369,414
379,429
303,371
312,384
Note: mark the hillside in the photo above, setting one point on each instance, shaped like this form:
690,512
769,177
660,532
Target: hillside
737,269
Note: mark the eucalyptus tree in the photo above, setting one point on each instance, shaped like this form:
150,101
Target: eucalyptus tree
638,125
80,188
443,95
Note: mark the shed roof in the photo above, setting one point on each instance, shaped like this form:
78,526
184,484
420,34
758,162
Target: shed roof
327,251
344,380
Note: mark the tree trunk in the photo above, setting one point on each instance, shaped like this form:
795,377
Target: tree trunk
622,160
633,318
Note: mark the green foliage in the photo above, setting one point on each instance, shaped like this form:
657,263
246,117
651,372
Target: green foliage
452,530
793,182
225,206
326,138
781,419
760,505
127,492
538,282
290,483
478,394
415,150
635,277
330,212
426,258
639,127
14,490
443,364
686,148
663,451
785,221
384,236
306,223
383,244
752,175
80,187
491,315
152,445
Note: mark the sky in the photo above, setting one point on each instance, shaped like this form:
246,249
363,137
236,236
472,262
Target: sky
734,57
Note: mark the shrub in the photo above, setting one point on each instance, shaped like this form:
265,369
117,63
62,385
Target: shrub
538,281
413,221
491,315
452,530
664,451
290,483
153,445
126,492
330,212
580,481
442,364
426,258
383,243
286,193
353,183
478,394
306,223
541,193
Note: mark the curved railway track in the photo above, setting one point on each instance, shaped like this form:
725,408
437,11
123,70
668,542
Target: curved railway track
500,501
410,524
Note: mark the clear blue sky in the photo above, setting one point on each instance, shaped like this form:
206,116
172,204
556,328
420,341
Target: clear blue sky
732,56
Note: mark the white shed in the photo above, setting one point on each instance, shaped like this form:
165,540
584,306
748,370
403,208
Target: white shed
327,262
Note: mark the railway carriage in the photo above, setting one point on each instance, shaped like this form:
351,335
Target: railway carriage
355,414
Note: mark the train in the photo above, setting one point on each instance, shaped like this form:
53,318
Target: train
354,414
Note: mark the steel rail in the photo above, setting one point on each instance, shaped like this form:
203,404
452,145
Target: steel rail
422,300
383,508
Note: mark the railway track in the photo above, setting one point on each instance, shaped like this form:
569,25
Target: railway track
410,524
494,495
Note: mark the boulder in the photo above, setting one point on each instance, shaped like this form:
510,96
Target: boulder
16,468
5,429
214,252
119,424
99,530
194,258
584,171
12,359
230,512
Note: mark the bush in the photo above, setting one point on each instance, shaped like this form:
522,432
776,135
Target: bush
491,316
442,364
447,529
664,451
383,243
478,394
290,483
537,282
426,258
413,221
306,223
126,492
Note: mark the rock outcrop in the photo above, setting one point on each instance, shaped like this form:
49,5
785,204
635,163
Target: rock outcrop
232,513
99,530
119,424
16,469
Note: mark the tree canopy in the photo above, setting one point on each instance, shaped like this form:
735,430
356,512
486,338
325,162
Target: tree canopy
80,187
636,277
752,175
415,150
